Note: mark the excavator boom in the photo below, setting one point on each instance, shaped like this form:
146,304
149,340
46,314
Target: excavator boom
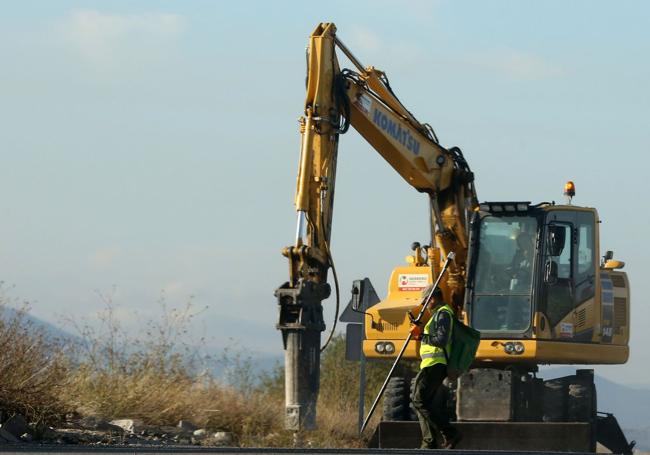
335,100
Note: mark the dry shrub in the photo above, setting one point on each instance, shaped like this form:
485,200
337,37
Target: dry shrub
338,402
338,426
160,398
160,378
33,368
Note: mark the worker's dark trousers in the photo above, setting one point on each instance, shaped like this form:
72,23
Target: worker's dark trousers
430,403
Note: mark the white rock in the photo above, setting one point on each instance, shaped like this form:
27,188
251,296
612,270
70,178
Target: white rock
27,437
201,433
128,425
222,438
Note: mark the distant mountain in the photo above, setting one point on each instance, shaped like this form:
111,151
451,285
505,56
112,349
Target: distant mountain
258,365
51,331
630,406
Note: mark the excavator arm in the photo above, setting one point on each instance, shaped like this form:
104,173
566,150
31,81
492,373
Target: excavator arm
363,99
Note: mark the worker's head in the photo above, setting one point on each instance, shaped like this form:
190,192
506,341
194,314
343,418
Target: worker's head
437,298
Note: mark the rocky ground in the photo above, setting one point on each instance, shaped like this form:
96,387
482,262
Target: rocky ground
95,431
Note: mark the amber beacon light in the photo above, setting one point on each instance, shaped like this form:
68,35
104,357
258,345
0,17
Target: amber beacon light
569,190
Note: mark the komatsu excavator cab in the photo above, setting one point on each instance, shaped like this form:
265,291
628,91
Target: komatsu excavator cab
536,290
535,278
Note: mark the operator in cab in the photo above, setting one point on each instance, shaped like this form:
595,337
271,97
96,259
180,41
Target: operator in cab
522,262
428,398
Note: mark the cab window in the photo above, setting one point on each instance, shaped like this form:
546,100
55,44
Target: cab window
559,294
564,260
586,257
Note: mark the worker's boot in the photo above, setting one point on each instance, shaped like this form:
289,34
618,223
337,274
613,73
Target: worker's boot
430,441
450,438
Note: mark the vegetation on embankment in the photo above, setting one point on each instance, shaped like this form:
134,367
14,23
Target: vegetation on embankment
160,379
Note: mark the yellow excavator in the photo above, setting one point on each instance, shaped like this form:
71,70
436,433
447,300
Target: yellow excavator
528,276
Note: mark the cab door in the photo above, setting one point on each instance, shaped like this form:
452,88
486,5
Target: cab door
557,296
585,275
569,282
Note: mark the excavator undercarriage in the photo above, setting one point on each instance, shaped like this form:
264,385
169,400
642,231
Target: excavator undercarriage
510,410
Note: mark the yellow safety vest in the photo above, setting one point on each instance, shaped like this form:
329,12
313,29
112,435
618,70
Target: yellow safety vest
432,355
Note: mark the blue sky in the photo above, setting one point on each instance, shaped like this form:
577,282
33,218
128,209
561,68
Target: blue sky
152,147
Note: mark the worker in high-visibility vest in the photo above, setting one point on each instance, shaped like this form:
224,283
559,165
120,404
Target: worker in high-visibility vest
429,400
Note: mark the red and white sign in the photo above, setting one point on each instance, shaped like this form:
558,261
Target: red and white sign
566,330
412,281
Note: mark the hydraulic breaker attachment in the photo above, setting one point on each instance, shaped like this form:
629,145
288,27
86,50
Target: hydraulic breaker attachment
301,322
